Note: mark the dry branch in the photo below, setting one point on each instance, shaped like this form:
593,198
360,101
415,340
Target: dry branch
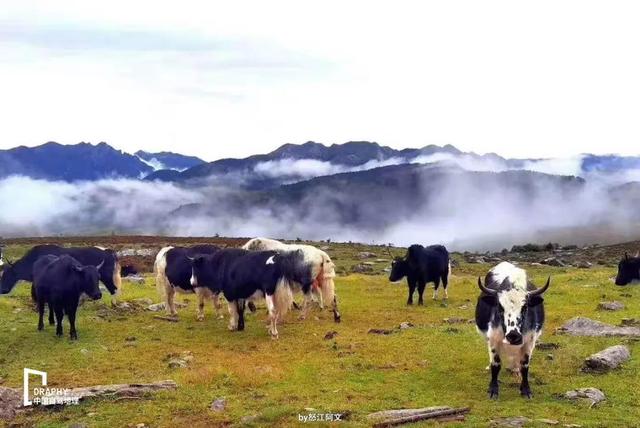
171,319
389,418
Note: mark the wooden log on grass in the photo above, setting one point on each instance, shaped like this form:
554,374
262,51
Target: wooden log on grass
11,398
389,418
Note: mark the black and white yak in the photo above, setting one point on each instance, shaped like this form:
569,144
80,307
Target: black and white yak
22,269
321,269
510,316
245,276
59,282
422,265
628,270
173,274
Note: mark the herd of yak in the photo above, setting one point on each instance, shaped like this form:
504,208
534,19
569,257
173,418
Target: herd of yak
509,310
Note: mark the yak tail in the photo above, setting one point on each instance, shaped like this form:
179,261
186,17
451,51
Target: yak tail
117,275
159,269
283,297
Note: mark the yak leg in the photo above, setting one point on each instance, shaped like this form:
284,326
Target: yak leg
525,357
273,316
412,287
59,315
202,293
436,285
70,309
445,284
494,364
233,315
421,286
315,289
336,314
240,303
217,305
51,320
306,304
170,304
40,304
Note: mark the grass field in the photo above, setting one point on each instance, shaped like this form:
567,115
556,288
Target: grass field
355,373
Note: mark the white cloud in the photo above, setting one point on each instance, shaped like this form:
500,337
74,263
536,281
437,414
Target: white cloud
303,168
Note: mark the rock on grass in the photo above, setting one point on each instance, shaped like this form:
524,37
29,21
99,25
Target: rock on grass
362,268
330,335
610,306
175,361
219,404
366,255
10,402
580,326
594,395
514,421
547,346
607,359
379,331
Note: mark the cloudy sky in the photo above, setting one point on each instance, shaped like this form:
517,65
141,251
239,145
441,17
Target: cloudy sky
219,79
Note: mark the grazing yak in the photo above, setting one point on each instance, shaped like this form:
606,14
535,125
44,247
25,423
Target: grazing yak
22,269
243,276
173,273
422,265
317,262
128,270
510,315
628,270
58,282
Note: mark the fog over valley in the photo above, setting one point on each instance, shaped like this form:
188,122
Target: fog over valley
464,200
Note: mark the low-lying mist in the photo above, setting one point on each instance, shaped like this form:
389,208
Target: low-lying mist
400,204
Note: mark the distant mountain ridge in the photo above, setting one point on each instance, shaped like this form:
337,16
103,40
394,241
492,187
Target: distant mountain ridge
83,161
256,172
289,163
86,162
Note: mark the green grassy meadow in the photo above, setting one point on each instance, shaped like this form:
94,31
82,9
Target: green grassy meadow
356,373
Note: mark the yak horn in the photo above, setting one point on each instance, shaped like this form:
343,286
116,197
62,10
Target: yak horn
100,265
539,291
489,291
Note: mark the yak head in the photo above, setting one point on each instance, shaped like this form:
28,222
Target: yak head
510,306
399,269
628,270
201,273
8,277
89,278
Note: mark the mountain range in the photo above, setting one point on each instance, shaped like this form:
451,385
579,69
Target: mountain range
287,164
84,161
